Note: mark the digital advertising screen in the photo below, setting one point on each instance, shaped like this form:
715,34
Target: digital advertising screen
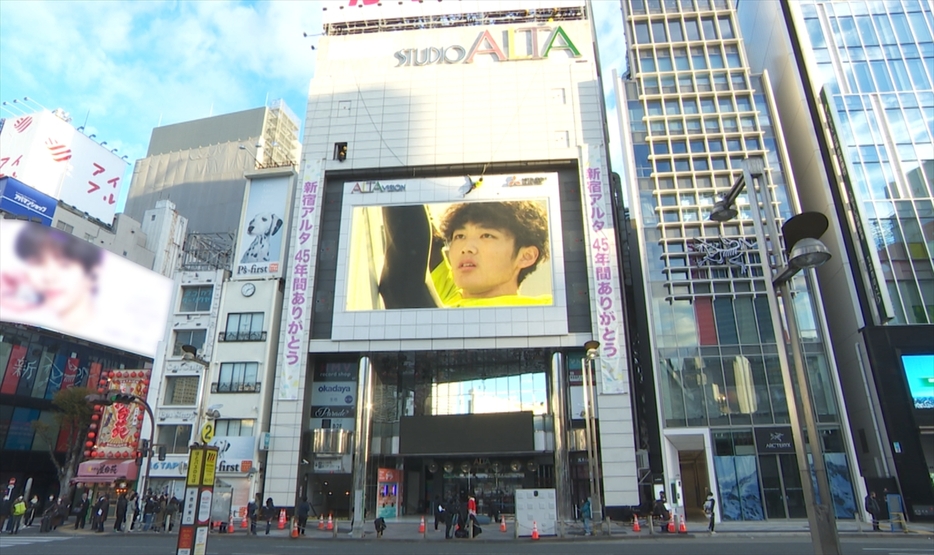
453,244
54,280
919,372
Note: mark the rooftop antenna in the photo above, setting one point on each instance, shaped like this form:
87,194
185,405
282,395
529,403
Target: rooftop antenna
10,108
27,99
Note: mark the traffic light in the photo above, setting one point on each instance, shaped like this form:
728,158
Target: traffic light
119,397
111,397
162,451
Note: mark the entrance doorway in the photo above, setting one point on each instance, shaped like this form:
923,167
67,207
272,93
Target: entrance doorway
694,482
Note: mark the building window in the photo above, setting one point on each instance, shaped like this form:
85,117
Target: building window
197,298
64,227
195,338
244,327
234,427
237,377
175,437
181,390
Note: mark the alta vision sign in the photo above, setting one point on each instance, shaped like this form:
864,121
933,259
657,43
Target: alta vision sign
522,43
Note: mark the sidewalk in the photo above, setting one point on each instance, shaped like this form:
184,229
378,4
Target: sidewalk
406,529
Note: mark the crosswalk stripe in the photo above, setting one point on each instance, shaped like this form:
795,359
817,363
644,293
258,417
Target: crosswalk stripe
7,541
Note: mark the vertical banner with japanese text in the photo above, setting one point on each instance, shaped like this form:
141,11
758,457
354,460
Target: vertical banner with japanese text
605,291
199,497
296,312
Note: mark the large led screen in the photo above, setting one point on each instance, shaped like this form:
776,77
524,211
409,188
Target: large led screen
450,255
54,280
919,371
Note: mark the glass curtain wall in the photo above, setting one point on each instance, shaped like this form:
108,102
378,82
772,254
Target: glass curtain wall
696,114
876,63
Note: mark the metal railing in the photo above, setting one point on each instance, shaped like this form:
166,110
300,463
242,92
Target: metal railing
236,387
230,336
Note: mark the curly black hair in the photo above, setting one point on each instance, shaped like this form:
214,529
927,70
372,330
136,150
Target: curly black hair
525,220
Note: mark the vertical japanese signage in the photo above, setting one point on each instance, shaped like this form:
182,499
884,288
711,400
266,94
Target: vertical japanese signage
121,423
199,496
605,283
298,299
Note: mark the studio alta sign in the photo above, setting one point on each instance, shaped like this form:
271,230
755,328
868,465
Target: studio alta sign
521,43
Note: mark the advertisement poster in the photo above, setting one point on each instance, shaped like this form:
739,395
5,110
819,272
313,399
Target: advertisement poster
259,250
53,280
120,423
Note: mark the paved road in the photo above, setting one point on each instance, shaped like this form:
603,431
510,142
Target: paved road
722,544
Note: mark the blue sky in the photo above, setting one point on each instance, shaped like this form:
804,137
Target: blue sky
122,68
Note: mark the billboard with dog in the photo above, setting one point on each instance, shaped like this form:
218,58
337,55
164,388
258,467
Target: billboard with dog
259,248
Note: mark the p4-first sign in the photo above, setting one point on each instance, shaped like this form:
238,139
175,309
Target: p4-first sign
44,152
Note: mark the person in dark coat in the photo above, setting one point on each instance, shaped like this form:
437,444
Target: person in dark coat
874,509
120,514
269,512
253,509
301,512
34,507
101,510
438,509
81,511
451,511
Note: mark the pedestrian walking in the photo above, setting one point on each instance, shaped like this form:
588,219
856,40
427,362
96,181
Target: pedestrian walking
253,509
874,509
31,509
587,517
101,510
149,510
438,508
301,512
17,512
120,514
81,511
710,506
269,512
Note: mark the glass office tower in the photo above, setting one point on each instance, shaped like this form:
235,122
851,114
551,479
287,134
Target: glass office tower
856,94
694,112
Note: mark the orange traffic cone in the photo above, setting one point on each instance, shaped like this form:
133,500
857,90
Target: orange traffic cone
282,519
671,524
320,522
421,526
534,530
682,529
294,533
635,525
502,523
330,522
243,521
230,525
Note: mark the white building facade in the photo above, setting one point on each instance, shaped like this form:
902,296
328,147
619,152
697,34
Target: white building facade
391,391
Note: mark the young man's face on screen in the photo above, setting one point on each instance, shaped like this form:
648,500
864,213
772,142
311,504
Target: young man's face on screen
485,263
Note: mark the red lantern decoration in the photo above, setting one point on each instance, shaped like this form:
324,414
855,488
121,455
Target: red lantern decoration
92,435
93,453
93,426
95,417
87,454
89,444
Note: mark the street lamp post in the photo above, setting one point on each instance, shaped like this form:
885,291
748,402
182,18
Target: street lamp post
590,423
806,252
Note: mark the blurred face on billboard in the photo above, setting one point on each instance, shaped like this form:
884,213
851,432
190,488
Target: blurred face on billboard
59,276
53,280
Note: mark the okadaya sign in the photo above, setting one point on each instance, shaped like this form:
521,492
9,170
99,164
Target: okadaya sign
516,43
775,440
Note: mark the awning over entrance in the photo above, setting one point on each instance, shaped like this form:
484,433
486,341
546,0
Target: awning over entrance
106,470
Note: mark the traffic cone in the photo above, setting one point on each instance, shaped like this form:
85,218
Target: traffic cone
294,533
421,526
330,522
502,523
671,524
534,530
243,522
635,525
230,525
320,522
682,529
282,519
